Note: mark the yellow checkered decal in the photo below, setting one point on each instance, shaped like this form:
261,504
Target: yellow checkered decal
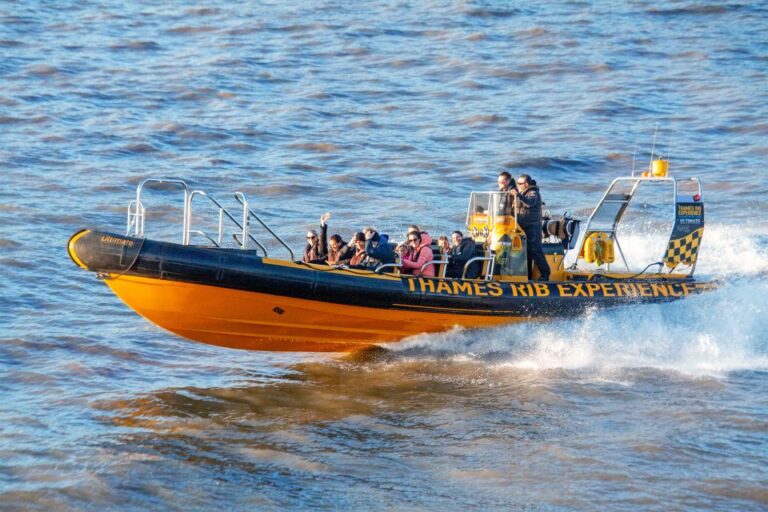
683,250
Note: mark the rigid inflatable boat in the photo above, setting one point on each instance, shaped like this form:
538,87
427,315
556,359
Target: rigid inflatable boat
242,298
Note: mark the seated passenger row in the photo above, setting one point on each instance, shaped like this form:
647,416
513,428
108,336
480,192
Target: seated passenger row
369,249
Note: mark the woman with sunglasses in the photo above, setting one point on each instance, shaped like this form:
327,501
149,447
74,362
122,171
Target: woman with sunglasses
420,253
316,249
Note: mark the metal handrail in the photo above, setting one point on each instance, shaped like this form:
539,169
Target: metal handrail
635,181
247,213
379,268
204,234
133,216
442,261
489,270
139,214
136,216
222,212
140,211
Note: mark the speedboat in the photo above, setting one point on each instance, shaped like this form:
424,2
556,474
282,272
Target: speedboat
242,297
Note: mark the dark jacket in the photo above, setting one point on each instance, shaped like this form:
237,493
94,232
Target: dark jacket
529,208
380,254
319,252
459,256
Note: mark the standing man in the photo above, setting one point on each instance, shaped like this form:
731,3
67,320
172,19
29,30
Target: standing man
529,219
506,184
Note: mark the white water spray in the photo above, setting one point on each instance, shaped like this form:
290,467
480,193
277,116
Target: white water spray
710,334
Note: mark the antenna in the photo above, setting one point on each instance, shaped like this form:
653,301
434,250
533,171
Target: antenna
653,148
669,147
634,153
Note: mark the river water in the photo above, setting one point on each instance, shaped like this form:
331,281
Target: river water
383,113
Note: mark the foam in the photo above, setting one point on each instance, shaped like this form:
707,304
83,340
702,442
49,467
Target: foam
707,335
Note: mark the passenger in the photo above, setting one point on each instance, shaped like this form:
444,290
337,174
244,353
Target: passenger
413,228
506,184
339,252
377,248
316,249
529,219
420,253
358,258
443,245
505,181
444,248
462,251
402,250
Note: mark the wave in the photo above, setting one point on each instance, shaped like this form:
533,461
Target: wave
552,164
706,335
685,337
695,10
135,46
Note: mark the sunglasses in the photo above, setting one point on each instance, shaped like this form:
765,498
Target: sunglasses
413,239
311,237
522,182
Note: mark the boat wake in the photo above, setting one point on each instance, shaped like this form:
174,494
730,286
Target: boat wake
706,335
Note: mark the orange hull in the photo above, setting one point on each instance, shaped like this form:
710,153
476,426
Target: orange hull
258,321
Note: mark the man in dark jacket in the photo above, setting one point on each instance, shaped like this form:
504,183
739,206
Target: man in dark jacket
462,251
529,219
377,249
506,184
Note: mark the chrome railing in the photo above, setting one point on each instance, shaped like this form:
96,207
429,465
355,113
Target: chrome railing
442,261
248,214
380,268
223,213
137,212
488,268
136,217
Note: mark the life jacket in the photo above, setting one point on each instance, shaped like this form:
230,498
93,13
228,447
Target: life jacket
334,256
358,258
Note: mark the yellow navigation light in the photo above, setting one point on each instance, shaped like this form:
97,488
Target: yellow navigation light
659,168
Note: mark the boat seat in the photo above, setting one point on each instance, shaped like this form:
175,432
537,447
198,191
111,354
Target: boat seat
552,248
565,229
477,269
436,256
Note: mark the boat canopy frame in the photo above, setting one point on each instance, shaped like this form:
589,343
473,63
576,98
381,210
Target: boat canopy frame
607,215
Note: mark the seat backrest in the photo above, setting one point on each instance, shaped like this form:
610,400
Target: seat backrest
572,232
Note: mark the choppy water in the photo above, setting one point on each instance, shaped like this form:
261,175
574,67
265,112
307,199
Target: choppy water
384,113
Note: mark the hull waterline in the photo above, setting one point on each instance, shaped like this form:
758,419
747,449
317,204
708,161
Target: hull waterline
234,298
258,321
